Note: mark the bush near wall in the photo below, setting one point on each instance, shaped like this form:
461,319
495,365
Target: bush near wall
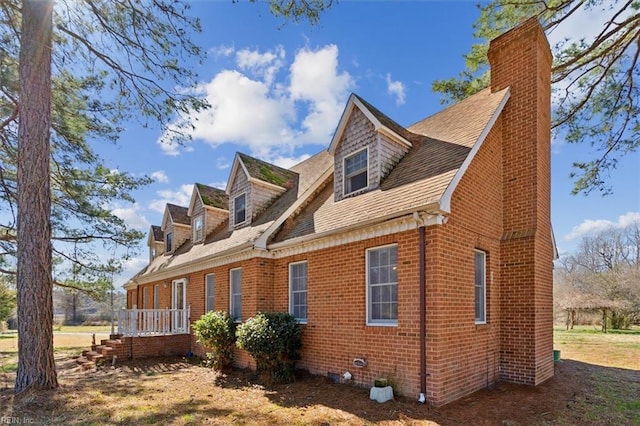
274,340
216,331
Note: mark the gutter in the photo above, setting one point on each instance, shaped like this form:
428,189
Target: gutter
432,209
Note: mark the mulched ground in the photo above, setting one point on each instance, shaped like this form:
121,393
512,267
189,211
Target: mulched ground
560,400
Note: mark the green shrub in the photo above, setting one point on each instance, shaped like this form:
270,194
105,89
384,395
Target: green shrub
273,340
216,331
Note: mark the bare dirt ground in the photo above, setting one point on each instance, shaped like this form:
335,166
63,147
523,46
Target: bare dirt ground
175,391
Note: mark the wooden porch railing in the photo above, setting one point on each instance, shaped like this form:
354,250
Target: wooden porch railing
153,322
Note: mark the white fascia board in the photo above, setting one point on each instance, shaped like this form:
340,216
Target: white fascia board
261,242
445,201
431,209
192,201
236,163
267,184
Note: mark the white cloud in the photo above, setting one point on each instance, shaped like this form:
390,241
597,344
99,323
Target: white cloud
395,88
222,50
180,197
589,226
315,79
271,118
262,65
132,216
160,176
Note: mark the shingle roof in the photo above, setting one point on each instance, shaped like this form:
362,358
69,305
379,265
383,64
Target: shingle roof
267,172
418,180
223,239
178,214
388,122
213,197
156,232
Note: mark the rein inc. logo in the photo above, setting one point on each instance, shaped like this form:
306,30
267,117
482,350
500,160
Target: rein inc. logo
15,420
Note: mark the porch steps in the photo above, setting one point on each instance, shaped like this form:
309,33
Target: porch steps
102,353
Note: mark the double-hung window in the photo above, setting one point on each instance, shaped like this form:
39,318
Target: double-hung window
156,296
240,209
145,298
298,291
382,285
480,287
356,174
209,292
198,229
235,294
169,242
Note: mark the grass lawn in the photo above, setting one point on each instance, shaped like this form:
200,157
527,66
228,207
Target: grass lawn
597,382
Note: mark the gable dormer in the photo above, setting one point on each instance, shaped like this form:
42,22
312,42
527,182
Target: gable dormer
253,185
176,227
366,146
155,241
208,208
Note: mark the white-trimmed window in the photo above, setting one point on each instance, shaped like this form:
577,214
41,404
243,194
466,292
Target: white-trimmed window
169,242
298,291
480,286
382,285
198,228
145,298
356,174
240,209
210,283
235,294
156,296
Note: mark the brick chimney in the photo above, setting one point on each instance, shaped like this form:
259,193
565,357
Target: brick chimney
521,59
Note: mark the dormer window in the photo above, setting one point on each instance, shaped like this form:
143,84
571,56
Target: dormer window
198,229
356,175
240,209
169,242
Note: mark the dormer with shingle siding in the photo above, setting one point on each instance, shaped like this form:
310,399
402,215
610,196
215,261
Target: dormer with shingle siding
253,186
208,208
155,241
176,227
366,146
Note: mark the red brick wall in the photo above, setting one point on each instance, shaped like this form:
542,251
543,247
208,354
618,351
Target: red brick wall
336,330
150,346
521,59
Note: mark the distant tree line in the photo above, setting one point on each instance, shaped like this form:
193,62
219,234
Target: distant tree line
602,277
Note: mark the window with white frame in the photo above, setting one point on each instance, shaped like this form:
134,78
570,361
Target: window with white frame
235,294
480,286
382,285
198,228
209,292
356,174
240,209
145,298
298,291
169,242
156,296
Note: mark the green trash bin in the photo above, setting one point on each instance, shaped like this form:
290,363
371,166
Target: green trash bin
556,355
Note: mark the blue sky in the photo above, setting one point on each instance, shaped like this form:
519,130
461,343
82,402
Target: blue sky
278,92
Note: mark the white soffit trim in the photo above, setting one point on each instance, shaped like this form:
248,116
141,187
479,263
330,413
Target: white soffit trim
445,201
267,184
318,241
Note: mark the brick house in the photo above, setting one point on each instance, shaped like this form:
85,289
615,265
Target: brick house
422,254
